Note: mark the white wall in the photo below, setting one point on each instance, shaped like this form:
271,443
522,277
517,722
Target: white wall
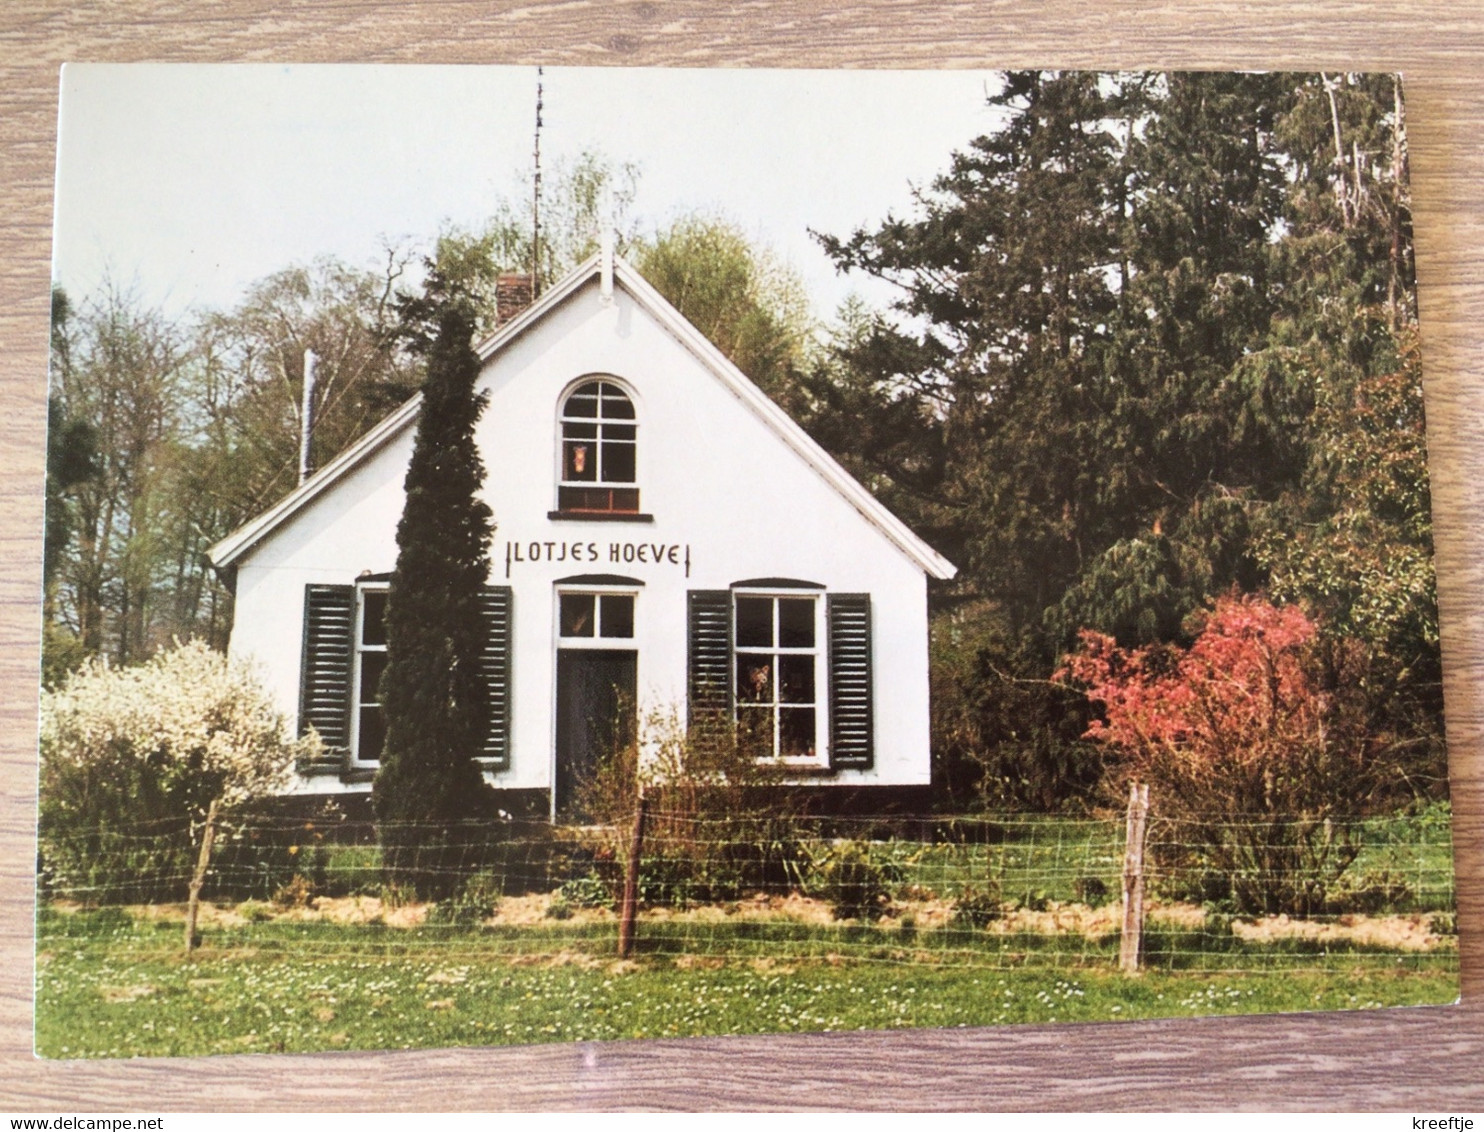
719,482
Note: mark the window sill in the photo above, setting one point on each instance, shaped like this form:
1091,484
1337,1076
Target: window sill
806,770
328,766
336,764
600,516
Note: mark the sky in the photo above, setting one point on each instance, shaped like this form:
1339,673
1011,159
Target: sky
187,183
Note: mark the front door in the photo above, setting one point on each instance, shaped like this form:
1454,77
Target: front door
595,715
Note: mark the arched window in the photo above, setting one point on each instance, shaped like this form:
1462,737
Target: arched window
598,451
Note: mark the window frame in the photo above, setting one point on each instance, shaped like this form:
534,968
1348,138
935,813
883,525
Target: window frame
819,651
597,591
564,487
358,649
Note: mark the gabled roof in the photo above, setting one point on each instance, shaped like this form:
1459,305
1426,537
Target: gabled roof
241,542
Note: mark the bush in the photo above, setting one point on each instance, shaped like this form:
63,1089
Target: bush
1092,891
586,891
99,923
255,911
351,870
720,821
1251,741
297,893
1034,900
1004,738
1373,891
472,904
853,882
976,909
132,758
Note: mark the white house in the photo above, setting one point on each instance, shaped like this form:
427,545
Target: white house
665,536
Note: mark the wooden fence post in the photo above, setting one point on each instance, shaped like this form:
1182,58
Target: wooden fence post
1131,942
193,905
631,882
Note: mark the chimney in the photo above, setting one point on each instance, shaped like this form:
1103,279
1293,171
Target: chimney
513,294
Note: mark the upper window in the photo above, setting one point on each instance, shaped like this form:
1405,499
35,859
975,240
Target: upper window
777,659
598,451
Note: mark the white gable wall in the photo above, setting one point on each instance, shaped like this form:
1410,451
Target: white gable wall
726,492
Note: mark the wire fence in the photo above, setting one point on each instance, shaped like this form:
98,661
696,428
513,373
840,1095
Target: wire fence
987,891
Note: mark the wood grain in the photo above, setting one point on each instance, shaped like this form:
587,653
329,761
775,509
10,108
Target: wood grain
1400,1059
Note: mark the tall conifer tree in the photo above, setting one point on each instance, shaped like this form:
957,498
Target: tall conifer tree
434,700
1138,331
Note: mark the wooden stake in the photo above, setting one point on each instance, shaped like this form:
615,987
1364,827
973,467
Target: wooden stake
631,883
208,835
1131,943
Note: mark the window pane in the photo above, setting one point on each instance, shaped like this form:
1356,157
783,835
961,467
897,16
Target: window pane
616,403
796,622
579,460
754,678
755,621
579,430
373,617
577,615
619,431
373,664
755,727
796,732
373,734
618,462
796,679
618,615
583,402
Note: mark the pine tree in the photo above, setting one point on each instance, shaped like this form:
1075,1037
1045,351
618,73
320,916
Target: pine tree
432,694
1141,325
980,406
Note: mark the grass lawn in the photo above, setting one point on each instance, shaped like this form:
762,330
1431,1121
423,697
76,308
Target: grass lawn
110,987
112,984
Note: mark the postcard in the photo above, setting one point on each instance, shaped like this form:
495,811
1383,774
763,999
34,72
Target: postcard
539,555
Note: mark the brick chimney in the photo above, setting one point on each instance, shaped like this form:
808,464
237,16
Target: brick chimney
513,294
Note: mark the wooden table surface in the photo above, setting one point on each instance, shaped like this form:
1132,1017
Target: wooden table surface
1408,1059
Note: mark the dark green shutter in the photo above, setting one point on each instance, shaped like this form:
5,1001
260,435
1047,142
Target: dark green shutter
494,664
709,652
324,675
851,729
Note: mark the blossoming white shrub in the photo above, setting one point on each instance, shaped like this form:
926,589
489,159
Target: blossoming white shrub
130,757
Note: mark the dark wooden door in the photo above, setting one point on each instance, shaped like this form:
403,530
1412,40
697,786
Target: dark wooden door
595,715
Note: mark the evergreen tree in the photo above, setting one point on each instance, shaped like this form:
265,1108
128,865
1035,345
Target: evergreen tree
1152,340
1008,302
433,697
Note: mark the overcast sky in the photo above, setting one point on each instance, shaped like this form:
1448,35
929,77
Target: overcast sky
190,182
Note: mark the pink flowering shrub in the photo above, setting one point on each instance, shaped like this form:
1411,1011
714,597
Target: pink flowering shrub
1254,741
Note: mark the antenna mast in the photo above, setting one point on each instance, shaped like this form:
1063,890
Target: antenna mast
536,199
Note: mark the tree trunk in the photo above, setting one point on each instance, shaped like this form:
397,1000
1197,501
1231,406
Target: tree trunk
193,905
